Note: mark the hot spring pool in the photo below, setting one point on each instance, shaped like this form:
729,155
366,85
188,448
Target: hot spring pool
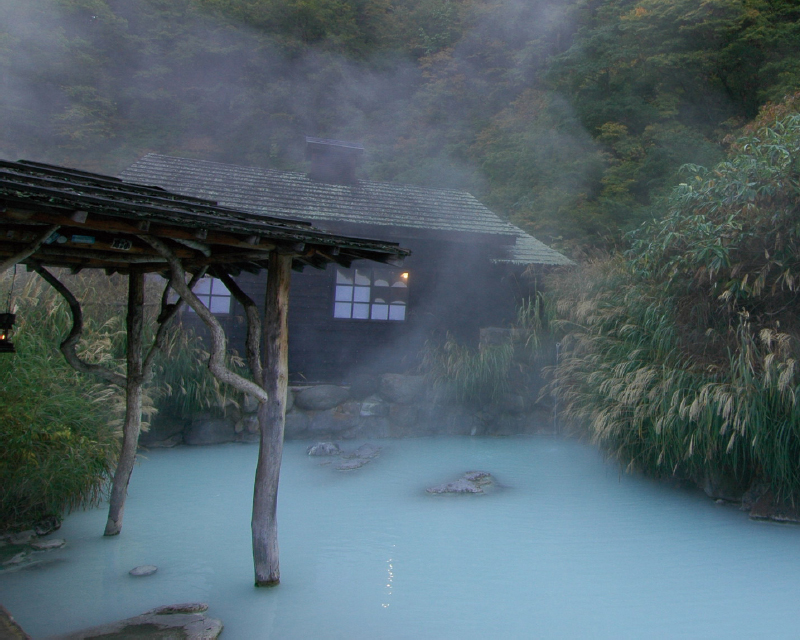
570,549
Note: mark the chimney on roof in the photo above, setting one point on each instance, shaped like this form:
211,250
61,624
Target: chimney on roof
333,160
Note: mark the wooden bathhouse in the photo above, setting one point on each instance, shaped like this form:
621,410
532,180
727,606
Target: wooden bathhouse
463,272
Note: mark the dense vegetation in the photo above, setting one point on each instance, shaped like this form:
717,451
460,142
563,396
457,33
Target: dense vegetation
681,355
60,429
568,116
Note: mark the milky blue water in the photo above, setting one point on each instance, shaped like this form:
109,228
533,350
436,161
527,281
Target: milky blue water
570,549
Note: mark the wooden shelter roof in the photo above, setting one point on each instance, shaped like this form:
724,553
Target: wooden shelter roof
101,219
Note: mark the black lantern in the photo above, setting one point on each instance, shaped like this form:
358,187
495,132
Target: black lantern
6,324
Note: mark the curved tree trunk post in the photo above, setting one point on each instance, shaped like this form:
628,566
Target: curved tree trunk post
133,403
271,417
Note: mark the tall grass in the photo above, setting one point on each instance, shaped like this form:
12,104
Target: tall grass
681,356
483,376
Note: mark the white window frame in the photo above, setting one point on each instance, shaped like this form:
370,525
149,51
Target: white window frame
214,295
370,293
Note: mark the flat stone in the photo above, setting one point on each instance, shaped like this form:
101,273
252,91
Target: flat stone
367,451
158,623
470,482
48,545
184,607
144,570
324,449
350,465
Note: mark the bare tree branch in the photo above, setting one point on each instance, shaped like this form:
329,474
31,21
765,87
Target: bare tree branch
253,340
216,361
71,341
28,251
165,317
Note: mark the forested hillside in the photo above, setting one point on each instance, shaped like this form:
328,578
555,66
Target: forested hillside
567,116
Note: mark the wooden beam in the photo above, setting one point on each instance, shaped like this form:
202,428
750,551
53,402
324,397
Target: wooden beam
271,418
118,225
29,250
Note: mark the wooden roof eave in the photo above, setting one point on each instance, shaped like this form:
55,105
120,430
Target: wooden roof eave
92,218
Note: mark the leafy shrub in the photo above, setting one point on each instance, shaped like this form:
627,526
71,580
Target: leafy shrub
57,427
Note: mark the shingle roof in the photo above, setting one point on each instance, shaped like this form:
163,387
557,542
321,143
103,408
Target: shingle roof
101,220
293,195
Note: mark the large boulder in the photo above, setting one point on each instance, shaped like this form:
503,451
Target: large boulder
402,389
363,386
374,406
321,397
296,425
163,432
206,429
333,422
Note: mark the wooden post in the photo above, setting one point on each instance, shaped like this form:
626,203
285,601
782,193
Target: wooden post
271,418
133,403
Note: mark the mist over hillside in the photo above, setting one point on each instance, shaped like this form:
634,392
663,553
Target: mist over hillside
569,117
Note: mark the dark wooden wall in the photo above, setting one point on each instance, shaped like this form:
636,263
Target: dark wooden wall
453,288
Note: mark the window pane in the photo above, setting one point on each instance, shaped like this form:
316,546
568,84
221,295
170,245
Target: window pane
361,294
382,277
219,289
361,311
203,287
343,276
380,311
220,304
343,294
341,310
363,276
397,312
398,296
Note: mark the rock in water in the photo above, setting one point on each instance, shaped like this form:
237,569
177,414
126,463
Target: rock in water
324,449
470,482
354,463
365,452
172,621
144,570
48,545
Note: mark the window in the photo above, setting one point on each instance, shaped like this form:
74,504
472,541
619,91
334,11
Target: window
371,294
213,294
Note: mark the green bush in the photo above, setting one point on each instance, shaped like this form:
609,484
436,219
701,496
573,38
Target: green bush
58,429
